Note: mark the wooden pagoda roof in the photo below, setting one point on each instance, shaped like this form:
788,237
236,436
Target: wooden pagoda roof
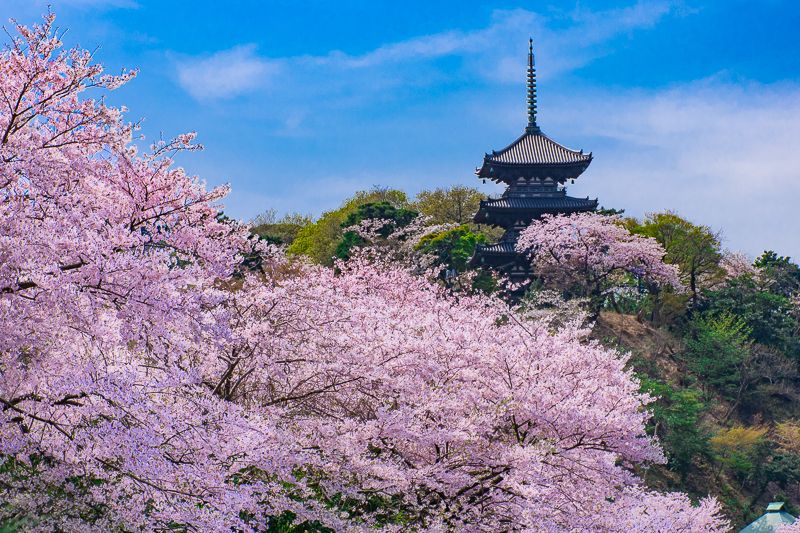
536,148
499,210
539,202
534,154
498,248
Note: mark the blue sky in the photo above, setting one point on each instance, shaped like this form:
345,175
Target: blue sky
691,106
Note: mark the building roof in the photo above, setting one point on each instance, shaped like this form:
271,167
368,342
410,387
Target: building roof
534,155
769,521
539,202
507,210
536,148
498,248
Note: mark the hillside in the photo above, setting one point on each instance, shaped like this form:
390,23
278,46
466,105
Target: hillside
746,473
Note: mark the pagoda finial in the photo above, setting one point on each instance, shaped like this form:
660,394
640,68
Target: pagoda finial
532,127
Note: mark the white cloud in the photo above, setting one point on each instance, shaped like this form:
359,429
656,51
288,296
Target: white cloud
416,49
501,41
723,154
225,74
495,52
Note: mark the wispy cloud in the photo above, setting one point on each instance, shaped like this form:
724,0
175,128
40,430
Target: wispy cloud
417,49
722,153
225,74
573,45
498,48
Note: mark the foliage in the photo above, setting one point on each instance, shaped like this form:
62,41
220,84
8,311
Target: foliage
754,459
350,240
592,255
768,314
717,348
788,436
676,417
394,217
318,241
454,205
453,247
736,447
485,282
694,249
388,217
609,211
780,274
276,230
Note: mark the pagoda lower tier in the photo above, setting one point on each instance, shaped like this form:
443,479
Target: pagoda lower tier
502,256
515,212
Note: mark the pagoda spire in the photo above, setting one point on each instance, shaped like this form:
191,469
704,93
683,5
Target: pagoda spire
532,126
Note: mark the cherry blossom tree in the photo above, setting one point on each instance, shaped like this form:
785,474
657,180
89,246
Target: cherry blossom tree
459,412
149,382
109,267
594,255
737,264
789,528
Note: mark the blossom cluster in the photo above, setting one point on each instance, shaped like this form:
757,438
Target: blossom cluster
737,264
595,253
149,382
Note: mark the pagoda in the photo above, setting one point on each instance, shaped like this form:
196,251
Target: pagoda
535,168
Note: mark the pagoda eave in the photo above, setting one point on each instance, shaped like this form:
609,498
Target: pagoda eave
509,172
499,215
514,264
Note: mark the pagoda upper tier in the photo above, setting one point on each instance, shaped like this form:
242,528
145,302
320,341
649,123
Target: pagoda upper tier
534,155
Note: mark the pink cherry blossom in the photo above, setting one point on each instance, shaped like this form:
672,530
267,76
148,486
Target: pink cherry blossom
737,264
148,381
594,253
789,528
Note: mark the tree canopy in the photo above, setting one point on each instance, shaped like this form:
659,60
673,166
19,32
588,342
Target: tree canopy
694,249
590,255
149,383
454,205
318,241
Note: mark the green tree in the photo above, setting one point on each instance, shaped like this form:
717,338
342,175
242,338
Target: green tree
395,217
766,301
318,241
694,249
453,205
276,230
768,315
453,247
717,350
676,417
741,449
779,275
